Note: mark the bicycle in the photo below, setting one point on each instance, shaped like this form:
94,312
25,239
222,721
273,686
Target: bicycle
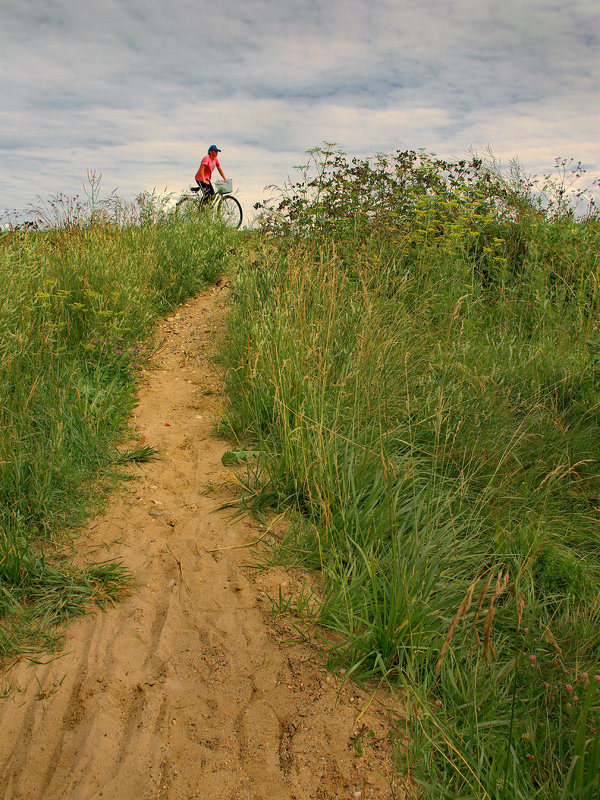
225,206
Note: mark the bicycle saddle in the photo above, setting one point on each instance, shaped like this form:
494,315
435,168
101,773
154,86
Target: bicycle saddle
195,188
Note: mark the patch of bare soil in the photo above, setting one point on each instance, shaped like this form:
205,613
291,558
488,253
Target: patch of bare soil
186,689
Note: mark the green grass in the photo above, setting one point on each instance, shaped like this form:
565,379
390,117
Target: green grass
79,301
413,349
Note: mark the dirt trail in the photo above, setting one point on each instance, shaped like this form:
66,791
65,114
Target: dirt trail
186,689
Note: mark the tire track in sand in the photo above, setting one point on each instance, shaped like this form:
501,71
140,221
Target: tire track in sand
185,690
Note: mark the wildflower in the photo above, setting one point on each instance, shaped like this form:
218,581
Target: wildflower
597,678
532,659
569,688
575,698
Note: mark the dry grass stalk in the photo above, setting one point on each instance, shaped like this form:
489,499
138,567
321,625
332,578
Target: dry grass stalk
502,579
480,602
462,611
563,470
520,608
455,313
549,637
501,584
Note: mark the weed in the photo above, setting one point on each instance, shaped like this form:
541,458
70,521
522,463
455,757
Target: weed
413,349
80,294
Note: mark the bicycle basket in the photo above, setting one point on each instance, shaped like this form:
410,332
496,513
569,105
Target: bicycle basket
224,187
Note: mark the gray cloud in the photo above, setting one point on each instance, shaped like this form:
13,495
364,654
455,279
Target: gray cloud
136,88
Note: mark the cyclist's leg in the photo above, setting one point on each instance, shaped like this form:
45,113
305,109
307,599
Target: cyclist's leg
207,192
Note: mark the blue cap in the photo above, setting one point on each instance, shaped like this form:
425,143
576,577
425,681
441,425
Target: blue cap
213,147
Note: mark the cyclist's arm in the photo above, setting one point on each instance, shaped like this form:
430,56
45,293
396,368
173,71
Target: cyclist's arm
221,171
202,171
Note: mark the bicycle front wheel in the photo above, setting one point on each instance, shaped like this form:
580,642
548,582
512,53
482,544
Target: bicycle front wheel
229,211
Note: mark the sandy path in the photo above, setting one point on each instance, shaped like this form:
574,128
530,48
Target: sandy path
185,689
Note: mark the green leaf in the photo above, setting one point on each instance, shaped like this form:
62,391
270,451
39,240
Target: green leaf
238,456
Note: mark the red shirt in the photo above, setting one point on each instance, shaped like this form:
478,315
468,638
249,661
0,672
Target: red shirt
209,165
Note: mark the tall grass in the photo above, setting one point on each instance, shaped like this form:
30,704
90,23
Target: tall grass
414,346
79,299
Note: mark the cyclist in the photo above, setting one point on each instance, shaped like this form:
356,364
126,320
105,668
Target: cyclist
209,162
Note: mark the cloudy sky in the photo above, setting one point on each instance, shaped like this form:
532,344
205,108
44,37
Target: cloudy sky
136,90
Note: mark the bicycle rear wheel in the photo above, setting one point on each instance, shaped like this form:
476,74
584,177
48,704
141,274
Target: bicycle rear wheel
188,205
229,211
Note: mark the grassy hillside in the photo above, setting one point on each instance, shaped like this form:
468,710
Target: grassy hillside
79,299
414,348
